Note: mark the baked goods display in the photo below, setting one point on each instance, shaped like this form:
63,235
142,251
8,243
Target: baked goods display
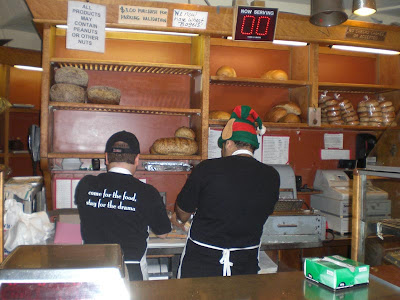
388,112
219,115
183,143
275,75
286,112
226,71
370,113
330,110
349,114
71,84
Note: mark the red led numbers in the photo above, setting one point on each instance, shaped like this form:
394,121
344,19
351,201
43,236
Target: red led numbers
255,24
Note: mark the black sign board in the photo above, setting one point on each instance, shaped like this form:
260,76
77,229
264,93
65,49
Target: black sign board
255,24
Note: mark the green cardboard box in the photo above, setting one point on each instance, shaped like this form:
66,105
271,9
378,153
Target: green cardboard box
336,272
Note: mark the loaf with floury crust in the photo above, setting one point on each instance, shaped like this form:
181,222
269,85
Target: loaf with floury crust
71,75
174,146
64,92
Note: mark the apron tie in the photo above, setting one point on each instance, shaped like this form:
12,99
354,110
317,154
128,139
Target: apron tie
226,262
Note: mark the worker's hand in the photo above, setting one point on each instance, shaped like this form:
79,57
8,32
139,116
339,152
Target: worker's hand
177,224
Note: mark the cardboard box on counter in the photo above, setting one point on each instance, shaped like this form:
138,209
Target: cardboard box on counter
336,272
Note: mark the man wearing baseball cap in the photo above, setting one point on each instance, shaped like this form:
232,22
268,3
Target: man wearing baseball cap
117,208
231,198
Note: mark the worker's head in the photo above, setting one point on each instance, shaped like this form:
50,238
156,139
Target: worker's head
241,130
122,147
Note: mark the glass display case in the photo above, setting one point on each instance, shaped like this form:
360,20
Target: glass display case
383,168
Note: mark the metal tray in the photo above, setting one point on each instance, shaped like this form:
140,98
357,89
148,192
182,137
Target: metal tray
173,166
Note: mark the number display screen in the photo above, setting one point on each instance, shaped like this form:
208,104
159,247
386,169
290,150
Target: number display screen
255,24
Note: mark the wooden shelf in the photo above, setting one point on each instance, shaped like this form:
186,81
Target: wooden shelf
19,155
258,82
356,88
123,66
218,123
24,110
142,156
124,108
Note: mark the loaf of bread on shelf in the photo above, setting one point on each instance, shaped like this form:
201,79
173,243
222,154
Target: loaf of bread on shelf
174,146
64,92
71,75
185,132
219,115
103,95
291,107
290,118
275,75
226,71
275,114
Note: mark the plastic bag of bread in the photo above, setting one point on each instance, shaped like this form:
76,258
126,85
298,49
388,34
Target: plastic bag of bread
219,115
226,71
182,144
275,75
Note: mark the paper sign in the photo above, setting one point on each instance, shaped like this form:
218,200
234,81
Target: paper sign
190,19
333,141
276,150
143,15
86,26
327,154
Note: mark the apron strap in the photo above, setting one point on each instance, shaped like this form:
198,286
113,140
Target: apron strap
225,259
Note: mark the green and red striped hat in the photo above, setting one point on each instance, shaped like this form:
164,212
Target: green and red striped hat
243,126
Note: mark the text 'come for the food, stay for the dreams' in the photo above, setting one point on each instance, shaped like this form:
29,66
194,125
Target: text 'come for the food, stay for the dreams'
106,199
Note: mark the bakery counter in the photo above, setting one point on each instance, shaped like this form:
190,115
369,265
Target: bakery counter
285,285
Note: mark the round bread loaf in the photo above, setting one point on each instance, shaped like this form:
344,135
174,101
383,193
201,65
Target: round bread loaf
349,114
345,106
333,107
375,124
372,103
275,75
363,115
385,103
333,119
362,103
290,118
338,122
331,102
388,109
103,95
364,123
351,119
361,109
364,119
174,146
185,132
353,123
275,114
64,92
71,75
374,114
291,107
333,113
226,71
219,115
389,114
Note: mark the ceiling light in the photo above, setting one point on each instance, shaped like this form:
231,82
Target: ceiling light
139,31
367,50
28,68
289,43
327,13
364,7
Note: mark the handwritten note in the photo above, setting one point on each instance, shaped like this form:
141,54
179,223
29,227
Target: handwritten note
276,150
143,15
86,26
190,19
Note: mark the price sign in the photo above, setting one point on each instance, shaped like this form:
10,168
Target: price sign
255,24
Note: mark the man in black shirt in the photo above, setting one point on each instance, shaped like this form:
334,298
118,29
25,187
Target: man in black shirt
117,208
231,198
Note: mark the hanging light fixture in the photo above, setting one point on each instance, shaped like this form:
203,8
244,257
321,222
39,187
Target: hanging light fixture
327,13
364,7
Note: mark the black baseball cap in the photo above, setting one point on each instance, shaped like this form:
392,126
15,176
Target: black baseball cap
126,137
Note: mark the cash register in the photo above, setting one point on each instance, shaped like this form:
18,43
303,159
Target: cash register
335,200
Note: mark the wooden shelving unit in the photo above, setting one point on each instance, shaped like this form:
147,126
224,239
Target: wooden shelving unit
256,82
356,88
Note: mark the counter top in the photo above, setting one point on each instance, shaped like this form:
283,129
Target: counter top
284,285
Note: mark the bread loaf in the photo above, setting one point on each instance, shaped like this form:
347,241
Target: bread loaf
275,75
291,107
275,114
63,92
226,71
290,118
174,146
103,95
219,115
71,75
185,132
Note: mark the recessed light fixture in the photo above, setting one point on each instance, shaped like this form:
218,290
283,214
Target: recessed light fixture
364,7
30,68
366,50
289,43
140,31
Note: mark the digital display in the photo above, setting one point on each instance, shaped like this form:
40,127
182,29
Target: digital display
255,24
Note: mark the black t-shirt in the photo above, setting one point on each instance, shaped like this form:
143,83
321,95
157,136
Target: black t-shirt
118,208
232,197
